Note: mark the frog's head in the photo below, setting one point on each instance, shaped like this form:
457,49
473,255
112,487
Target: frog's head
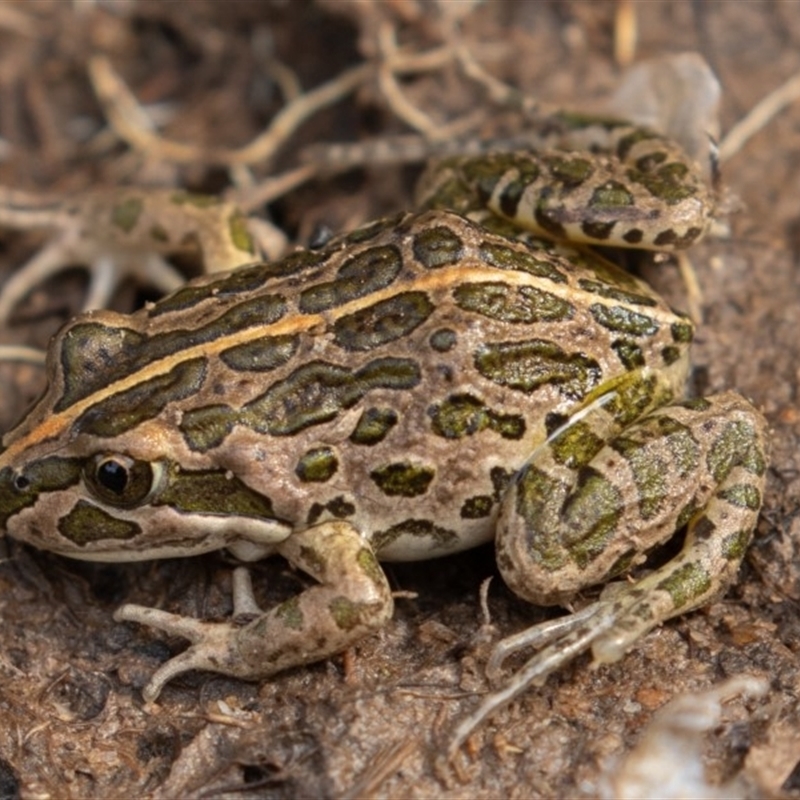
112,506
93,472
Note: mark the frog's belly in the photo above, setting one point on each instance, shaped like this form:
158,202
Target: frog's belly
417,505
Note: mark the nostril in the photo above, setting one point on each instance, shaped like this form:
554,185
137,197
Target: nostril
21,483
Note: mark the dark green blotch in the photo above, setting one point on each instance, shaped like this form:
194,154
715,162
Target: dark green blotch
590,516
649,473
340,507
19,490
503,256
442,538
484,172
383,322
613,292
666,182
742,495
315,511
687,584
477,507
538,504
261,355
317,466
633,398
633,236
734,545
695,404
403,479
90,356
611,194
318,391
207,427
622,320
346,613
599,231
86,524
576,445
212,492
159,234
125,410
255,312
443,340
528,365
548,220
704,530
630,354
372,229
369,565
240,282
570,171
464,415
501,480
523,304
682,332
670,355
650,161
373,426
510,195
736,445
437,246
373,269
290,614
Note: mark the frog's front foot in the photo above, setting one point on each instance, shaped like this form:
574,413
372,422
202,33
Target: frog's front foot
351,600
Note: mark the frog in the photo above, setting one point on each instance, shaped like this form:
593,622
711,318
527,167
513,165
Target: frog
454,375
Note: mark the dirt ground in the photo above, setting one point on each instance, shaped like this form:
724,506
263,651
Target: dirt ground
370,723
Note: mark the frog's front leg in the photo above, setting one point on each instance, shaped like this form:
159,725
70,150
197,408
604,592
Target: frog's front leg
351,600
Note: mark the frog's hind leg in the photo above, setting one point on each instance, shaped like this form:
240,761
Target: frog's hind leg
584,510
580,514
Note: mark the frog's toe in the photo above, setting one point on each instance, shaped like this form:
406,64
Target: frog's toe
213,645
172,624
553,632
562,640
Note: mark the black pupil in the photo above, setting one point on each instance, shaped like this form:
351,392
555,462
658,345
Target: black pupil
112,476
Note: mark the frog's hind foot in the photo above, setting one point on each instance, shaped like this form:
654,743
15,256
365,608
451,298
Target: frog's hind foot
560,641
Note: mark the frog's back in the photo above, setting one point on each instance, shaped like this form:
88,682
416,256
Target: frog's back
397,377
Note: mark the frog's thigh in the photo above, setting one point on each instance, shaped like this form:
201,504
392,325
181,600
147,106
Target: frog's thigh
564,527
352,599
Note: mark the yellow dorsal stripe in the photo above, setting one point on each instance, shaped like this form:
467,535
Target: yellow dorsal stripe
431,280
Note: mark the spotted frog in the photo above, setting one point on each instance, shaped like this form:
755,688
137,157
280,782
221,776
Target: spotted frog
417,387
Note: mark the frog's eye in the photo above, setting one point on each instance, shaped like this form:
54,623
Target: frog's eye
120,480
